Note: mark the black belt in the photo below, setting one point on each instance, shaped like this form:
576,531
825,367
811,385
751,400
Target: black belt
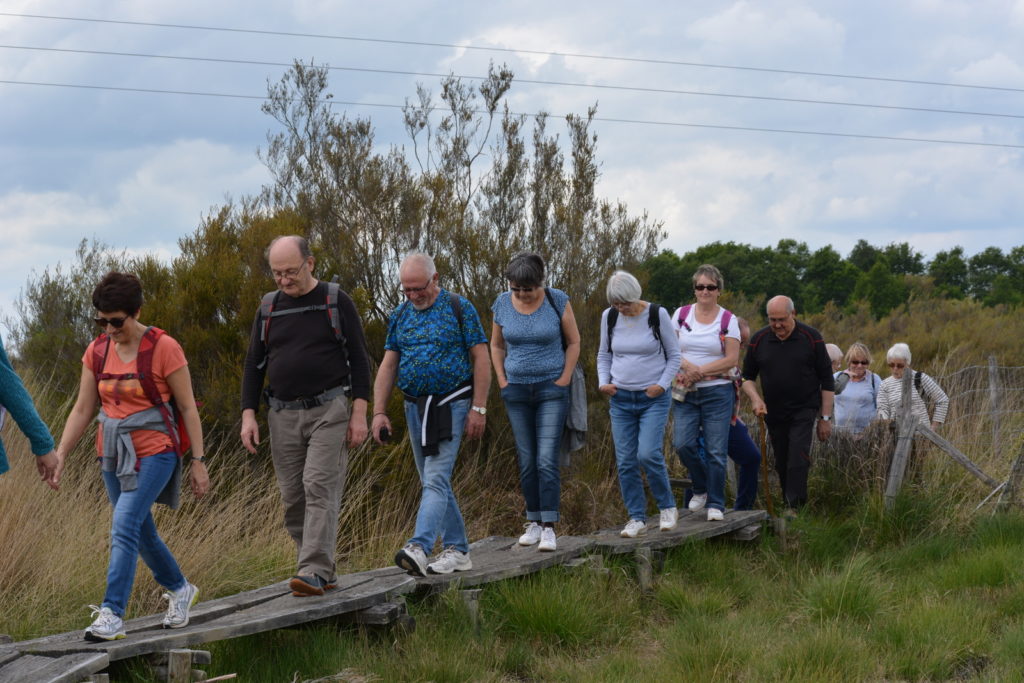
307,403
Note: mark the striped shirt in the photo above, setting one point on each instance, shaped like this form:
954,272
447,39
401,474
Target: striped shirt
890,394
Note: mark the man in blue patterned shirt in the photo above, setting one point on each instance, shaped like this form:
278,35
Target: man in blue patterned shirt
436,349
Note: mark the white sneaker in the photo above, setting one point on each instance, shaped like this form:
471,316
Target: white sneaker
715,515
633,528
179,603
697,501
547,539
669,517
106,625
451,560
531,535
412,559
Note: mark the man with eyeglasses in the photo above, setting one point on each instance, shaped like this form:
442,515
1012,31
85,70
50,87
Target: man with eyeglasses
307,340
436,351
796,377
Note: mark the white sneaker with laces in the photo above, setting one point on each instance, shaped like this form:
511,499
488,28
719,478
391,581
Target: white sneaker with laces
715,515
531,535
633,528
179,603
412,559
106,625
451,560
669,517
547,539
697,501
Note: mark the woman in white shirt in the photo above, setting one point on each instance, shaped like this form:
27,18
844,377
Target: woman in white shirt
704,393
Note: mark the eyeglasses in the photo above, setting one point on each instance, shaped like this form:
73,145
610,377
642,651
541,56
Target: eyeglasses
522,289
859,362
897,365
118,323
291,273
701,288
414,290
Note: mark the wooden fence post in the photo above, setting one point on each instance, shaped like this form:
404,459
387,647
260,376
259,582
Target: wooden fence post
1011,492
904,440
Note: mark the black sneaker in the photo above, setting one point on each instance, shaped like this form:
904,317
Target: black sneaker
303,586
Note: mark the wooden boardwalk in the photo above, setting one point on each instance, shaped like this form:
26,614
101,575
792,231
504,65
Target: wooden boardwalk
365,597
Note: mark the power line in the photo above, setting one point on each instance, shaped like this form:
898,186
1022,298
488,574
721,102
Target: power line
628,88
417,43
676,124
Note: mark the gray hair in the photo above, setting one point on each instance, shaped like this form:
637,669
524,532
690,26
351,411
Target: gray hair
860,349
834,352
899,351
301,243
526,269
622,288
421,259
709,271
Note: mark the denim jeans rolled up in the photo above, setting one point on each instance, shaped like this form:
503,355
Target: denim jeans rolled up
439,513
537,414
638,430
707,411
133,532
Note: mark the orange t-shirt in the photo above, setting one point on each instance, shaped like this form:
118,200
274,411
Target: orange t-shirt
122,397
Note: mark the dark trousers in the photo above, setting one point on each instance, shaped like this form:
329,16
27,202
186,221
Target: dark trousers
791,441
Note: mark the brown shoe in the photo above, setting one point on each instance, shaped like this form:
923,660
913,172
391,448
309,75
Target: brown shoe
303,586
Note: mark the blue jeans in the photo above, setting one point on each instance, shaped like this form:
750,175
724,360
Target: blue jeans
744,452
537,415
638,429
707,410
133,532
439,513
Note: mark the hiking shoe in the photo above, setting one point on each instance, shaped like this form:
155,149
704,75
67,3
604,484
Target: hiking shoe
531,535
451,560
178,604
106,625
715,515
412,559
633,528
697,501
547,539
669,517
303,585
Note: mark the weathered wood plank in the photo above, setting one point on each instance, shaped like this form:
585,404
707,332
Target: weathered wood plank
904,440
354,592
8,653
954,453
65,669
498,557
691,526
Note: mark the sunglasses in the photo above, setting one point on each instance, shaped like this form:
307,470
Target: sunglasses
522,289
859,362
701,288
118,323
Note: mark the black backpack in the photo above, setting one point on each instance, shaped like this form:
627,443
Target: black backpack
653,322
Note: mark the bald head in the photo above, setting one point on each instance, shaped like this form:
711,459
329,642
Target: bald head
781,316
291,264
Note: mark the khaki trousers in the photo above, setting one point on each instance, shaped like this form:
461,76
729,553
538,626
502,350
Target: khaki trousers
310,453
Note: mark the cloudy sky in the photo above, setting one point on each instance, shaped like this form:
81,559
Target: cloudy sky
138,170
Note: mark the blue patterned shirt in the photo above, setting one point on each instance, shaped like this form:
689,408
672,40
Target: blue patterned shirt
433,353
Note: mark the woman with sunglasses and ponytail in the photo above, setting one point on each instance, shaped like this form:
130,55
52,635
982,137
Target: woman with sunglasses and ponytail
139,379
704,393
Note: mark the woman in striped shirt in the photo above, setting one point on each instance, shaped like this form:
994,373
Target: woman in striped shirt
925,391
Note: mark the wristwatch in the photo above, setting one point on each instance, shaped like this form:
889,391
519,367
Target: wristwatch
825,418
480,409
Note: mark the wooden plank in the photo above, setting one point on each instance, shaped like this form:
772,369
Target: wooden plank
904,440
354,592
691,526
499,557
8,653
952,452
1011,492
65,669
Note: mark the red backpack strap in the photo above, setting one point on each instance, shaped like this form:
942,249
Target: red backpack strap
144,370
100,349
684,312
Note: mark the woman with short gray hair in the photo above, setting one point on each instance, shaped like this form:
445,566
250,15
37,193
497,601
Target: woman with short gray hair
924,390
636,361
534,349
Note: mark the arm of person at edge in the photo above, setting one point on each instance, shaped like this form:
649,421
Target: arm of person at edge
828,395
828,399
46,462
757,405
498,355
252,382
481,359
572,345
382,387
673,356
82,413
604,360
180,383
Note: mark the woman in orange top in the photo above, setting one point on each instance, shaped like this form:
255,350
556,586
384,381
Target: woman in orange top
145,468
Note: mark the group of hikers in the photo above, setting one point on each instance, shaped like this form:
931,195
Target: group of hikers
307,362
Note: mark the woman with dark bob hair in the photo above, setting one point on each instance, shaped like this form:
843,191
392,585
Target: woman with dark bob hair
139,377
534,372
